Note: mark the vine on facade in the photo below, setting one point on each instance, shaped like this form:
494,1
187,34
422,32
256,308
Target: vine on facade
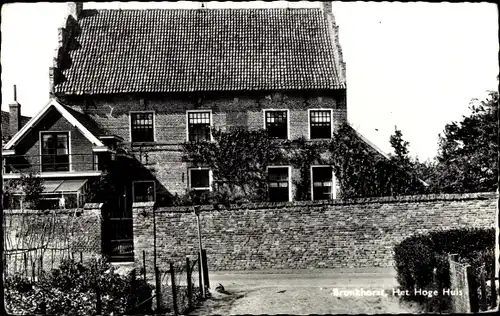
238,160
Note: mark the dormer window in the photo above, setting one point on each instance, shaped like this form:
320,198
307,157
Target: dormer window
55,151
142,127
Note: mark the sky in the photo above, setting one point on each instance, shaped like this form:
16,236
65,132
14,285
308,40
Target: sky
411,65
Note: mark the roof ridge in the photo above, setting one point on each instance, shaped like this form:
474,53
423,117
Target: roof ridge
201,10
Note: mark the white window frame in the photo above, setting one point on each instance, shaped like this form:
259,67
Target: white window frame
334,181
309,123
130,124
198,111
142,181
210,179
70,160
289,179
287,119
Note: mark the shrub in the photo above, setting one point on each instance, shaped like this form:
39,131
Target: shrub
421,261
71,290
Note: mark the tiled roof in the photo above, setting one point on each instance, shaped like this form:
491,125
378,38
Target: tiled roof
86,121
167,50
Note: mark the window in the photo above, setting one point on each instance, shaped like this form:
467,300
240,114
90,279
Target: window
276,123
279,184
199,179
143,191
55,151
198,126
322,183
141,127
320,124
102,160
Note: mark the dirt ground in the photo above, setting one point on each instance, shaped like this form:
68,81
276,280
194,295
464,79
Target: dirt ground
304,292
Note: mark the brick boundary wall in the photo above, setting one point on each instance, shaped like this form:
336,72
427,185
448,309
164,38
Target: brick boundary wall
304,234
52,235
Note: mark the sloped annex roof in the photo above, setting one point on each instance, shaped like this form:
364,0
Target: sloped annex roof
174,50
61,186
376,149
86,126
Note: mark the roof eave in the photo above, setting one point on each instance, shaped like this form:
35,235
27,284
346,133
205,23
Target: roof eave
31,123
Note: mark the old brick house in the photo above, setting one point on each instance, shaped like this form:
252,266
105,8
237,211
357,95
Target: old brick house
157,78
149,80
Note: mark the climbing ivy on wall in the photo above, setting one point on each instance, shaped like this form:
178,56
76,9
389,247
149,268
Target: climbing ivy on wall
301,154
363,172
238,160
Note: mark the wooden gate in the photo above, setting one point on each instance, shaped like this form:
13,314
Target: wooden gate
118,241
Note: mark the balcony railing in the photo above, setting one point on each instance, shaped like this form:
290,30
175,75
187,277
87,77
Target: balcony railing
49,201
55,163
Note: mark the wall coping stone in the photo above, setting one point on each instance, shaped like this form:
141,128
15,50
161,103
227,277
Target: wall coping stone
370,200
143,204
89,206
43,212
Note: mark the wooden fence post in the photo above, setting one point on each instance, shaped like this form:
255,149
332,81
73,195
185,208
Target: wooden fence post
158,289
493,286
40,268
472,285
144,264
205,269
200,271
482,280
133,286
189,285
33,270
174,289
26,265
98,304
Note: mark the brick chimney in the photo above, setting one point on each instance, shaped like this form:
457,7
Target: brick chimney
327,7
75,9
15,115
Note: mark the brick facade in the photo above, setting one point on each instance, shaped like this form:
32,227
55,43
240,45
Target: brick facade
306,234
162,159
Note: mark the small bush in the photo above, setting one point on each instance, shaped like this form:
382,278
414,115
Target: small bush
71,290
421,261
